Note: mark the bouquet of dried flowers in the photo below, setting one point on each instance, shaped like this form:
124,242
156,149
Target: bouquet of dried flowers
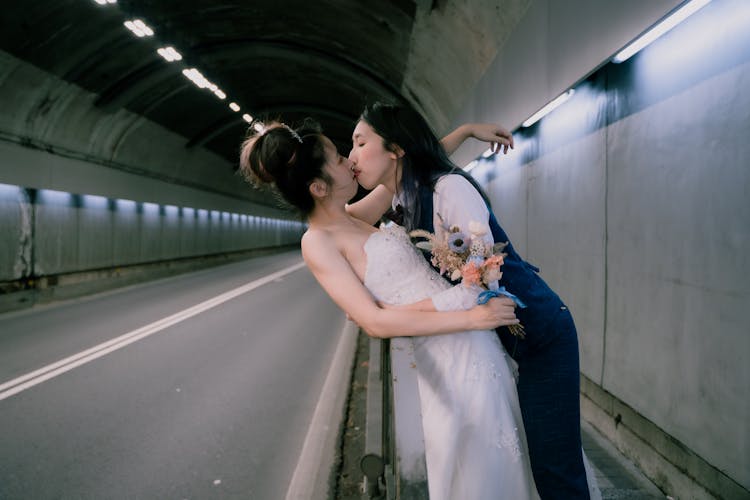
468,259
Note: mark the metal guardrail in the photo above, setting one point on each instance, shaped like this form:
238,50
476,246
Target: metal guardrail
372,462
394,459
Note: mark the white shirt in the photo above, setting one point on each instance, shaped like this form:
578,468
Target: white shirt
456,203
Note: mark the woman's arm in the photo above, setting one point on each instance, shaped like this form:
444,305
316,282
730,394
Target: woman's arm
338,279
372,207
422,305
451,299
459,204
498,137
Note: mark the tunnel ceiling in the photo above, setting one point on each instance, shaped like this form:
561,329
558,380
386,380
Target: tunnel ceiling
281,58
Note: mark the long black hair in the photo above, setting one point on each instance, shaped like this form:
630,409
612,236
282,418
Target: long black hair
424,160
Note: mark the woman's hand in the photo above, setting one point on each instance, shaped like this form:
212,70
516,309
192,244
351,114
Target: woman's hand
498,137
499,311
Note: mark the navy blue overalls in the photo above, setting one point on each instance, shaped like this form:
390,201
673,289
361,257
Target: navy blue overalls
548,384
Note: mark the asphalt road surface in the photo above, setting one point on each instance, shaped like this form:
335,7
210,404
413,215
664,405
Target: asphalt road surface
213,402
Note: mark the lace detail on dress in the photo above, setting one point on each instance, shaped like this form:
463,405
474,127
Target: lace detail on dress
396,272
507,439
483,369
467,395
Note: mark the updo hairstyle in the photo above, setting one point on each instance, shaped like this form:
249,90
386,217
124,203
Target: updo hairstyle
288,159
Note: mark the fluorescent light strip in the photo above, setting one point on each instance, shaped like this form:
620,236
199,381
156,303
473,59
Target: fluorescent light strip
548,108
197,78
234,106
139,28
658,30
142,26
247,118
170,54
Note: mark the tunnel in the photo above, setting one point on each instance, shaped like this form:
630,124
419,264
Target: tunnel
160,335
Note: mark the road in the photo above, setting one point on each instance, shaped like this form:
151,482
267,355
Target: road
215,405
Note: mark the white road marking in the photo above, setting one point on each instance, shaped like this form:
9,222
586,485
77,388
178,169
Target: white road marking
31,379
310,478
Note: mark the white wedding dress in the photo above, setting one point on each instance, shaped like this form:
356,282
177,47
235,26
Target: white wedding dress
475,444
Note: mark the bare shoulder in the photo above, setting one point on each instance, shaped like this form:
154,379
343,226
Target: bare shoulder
320,248
315,236
316,240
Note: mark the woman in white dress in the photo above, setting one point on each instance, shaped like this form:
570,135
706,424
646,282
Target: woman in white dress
474,441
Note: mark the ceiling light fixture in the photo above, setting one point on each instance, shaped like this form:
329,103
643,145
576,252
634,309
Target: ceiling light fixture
659,29
556,102
139,28
196,77
170,54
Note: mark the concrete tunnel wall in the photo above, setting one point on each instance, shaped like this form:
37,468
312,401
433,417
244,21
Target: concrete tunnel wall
633,199
82,189
638,219
53,232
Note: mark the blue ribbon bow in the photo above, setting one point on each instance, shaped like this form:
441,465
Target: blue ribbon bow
500,292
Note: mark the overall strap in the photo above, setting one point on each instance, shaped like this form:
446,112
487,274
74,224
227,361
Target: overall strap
425,220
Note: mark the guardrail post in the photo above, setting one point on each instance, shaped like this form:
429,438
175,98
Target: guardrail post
372,462
409,466
394,443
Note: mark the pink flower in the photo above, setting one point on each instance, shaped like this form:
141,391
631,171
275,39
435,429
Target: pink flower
472,274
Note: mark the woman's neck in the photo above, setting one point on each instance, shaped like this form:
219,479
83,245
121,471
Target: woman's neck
394,186
326,214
